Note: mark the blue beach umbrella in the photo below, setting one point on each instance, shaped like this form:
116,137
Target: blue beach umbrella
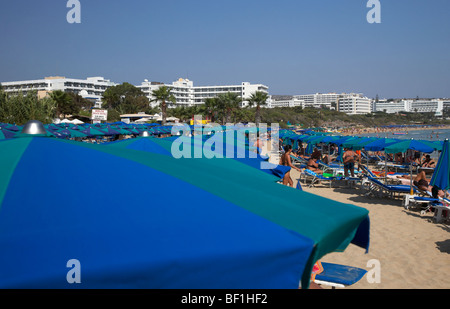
202,229
403,146
441,175
109,131
69,133
92,132
4,134
379,144
309,148
13,127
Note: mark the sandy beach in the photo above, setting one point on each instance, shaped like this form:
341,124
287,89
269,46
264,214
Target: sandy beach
413,251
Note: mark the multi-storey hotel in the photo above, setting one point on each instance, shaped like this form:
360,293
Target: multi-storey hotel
354,104
91,88
318,100
186,94
435,106
293,102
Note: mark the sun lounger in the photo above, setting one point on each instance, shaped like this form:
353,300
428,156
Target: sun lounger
333,168
424,202
368,158
367,172
299,160
316,178
374,187
440,206
393,166
336,275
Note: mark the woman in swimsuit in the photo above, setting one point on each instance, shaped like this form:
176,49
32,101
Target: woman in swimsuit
313,166
286,161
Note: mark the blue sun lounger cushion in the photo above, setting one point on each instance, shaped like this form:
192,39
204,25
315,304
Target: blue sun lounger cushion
392,188
340,274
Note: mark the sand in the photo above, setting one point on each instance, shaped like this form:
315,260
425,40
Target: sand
412,250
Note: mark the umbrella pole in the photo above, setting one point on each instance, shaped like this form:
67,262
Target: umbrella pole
385,167
411,192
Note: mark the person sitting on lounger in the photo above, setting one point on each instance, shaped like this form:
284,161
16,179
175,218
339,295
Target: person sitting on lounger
317,154
399,158
429,162
327,159
421,182
313,165
286,161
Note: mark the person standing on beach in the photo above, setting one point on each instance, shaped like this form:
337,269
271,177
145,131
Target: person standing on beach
286,161
349,162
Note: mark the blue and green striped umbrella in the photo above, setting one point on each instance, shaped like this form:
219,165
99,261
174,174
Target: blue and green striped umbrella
441,175
403,146
174,223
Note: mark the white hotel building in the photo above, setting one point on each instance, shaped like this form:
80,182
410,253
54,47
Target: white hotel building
319,100
355,104
91,88
271,103
186,94
435,106
327,100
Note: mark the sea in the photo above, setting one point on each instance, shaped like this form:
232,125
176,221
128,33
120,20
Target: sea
428,135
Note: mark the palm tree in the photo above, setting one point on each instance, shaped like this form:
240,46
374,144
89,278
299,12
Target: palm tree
212,107
228,102
259,99
163,94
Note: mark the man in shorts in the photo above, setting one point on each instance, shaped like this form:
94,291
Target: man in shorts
349,162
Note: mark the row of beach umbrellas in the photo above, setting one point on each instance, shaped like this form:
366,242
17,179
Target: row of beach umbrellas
440,177
70,130
388,145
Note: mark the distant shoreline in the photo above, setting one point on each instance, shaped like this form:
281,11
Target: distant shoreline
356,131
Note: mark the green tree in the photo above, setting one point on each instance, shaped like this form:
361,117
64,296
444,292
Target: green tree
126,99
19,109
212,108
259,99
163,95
64,103
80,102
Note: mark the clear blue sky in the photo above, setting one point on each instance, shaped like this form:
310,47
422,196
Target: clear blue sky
292,46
